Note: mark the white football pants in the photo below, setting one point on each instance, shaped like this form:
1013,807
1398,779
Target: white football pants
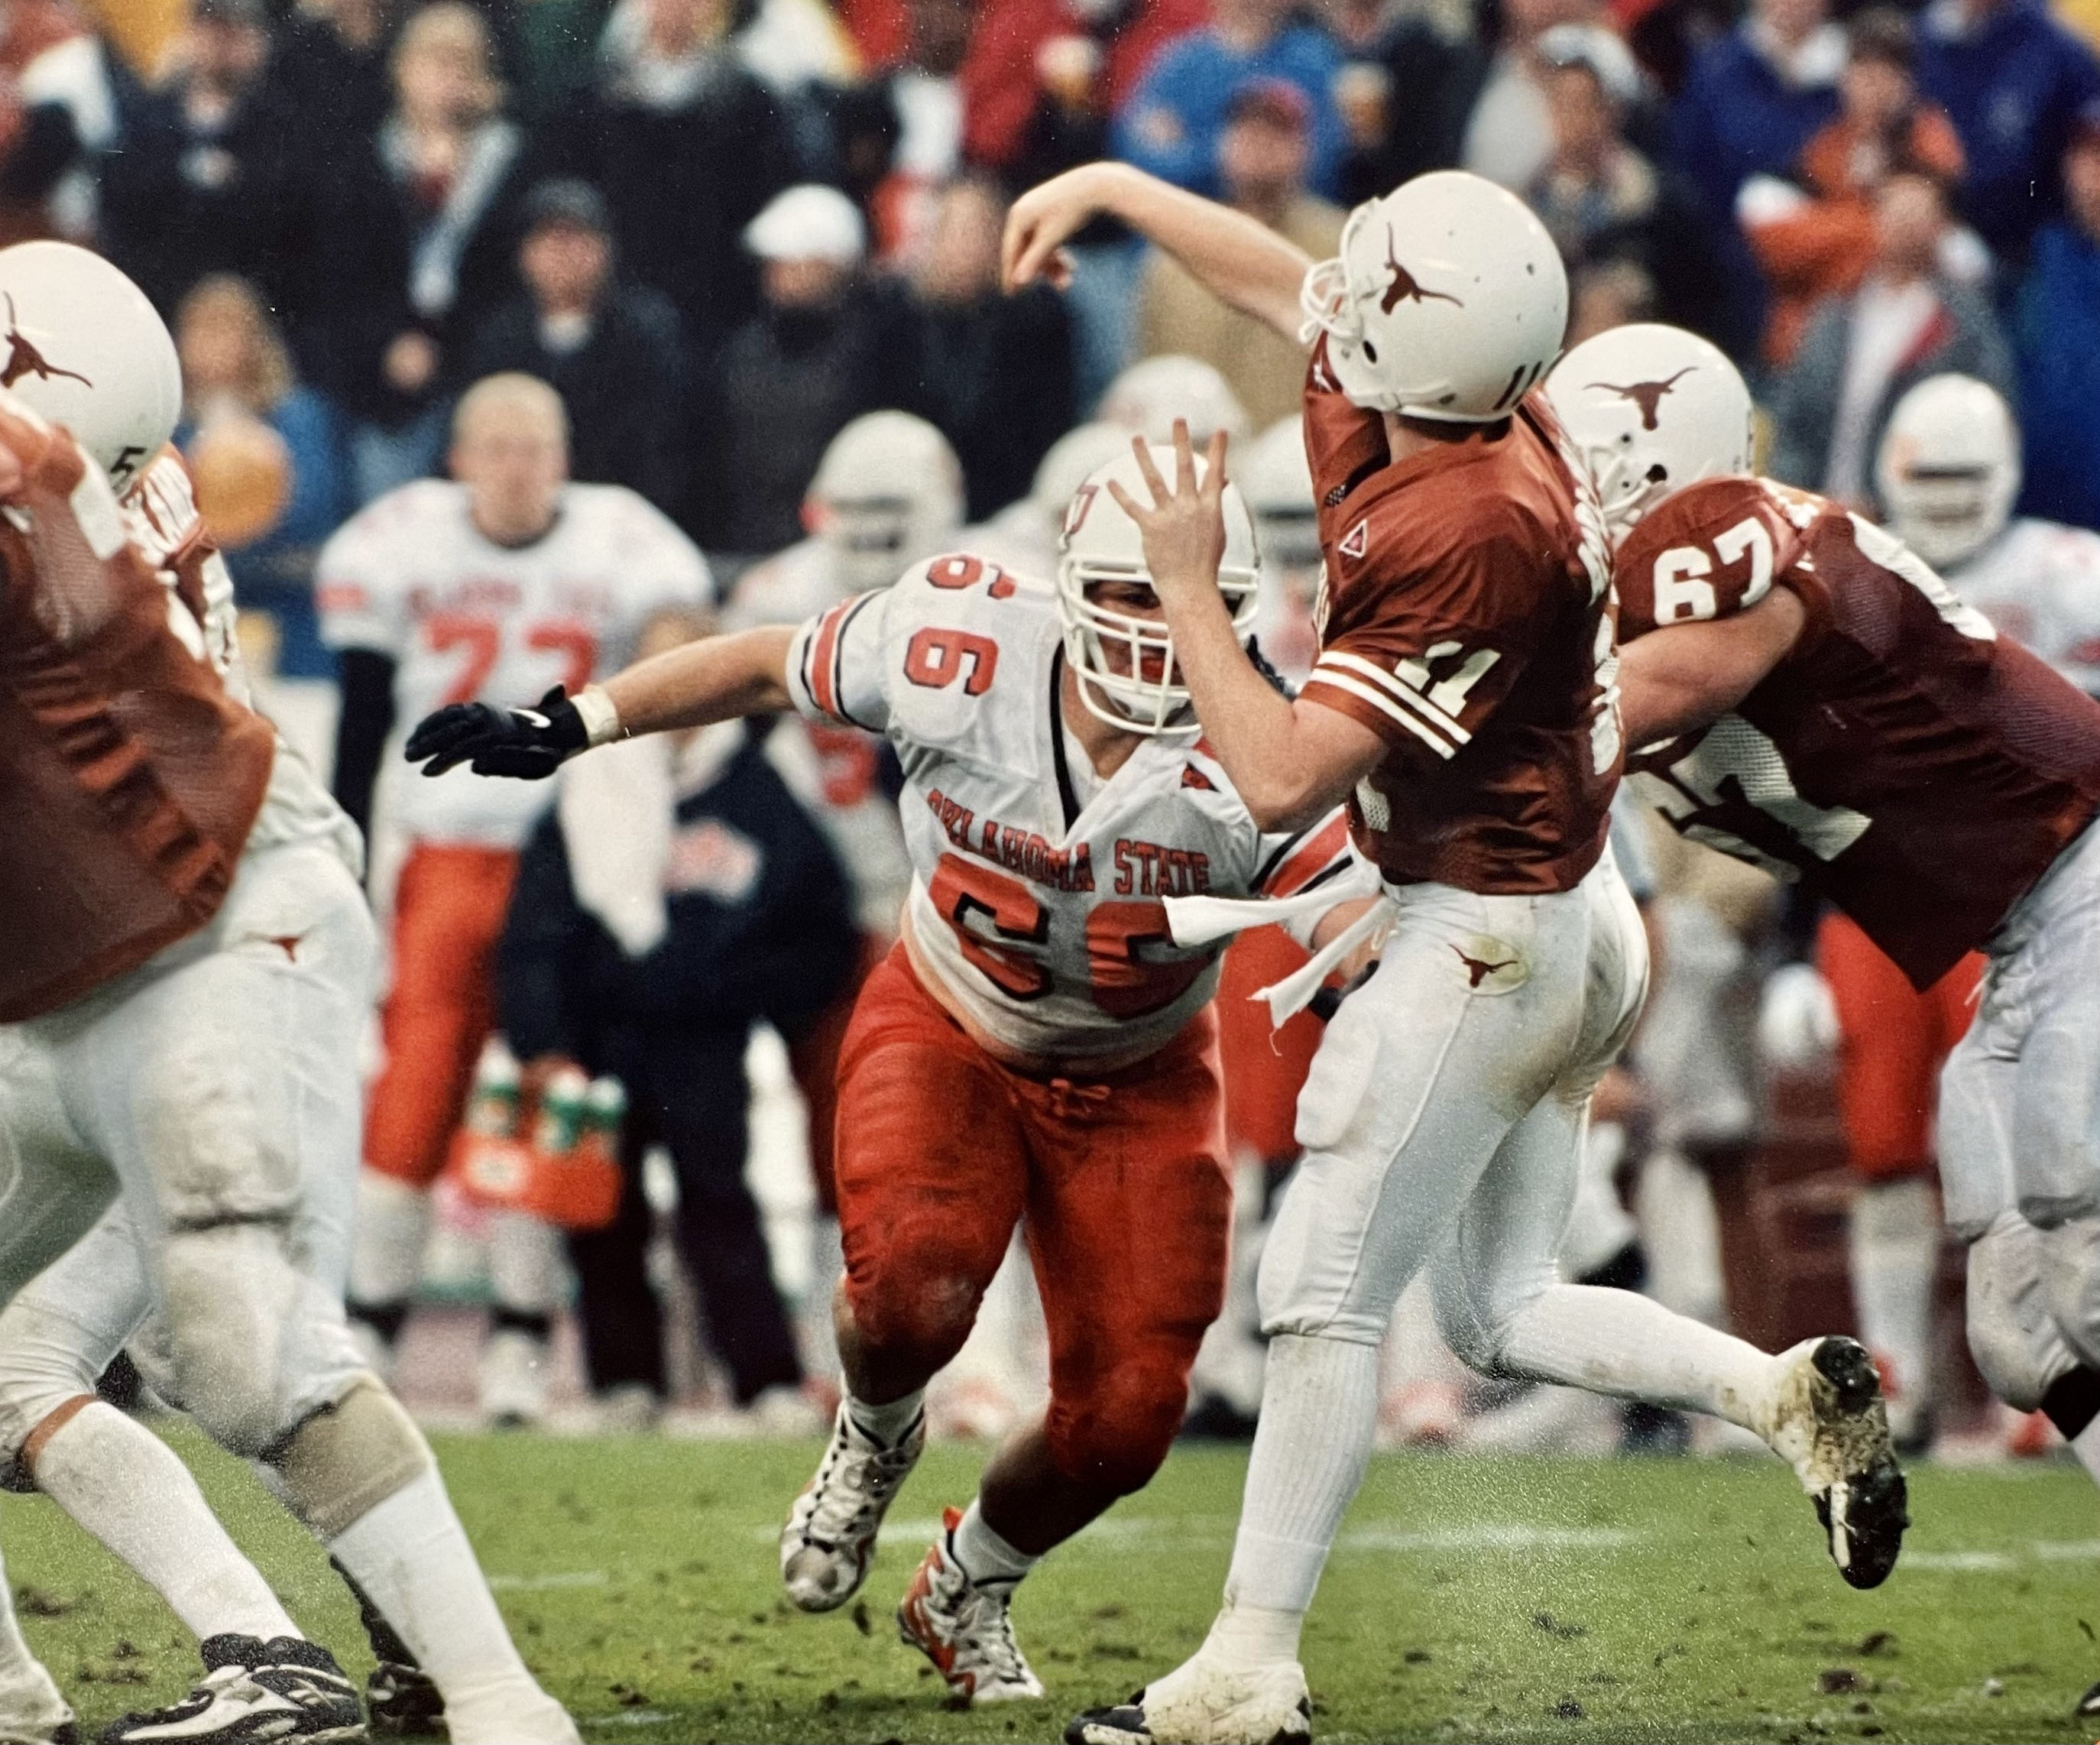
218,1087
2019,1136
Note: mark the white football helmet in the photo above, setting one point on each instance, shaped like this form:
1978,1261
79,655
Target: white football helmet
86,350
888,492
1148,397
1276,480
1448,301
1652,408
1949,468
1125,663
1064,467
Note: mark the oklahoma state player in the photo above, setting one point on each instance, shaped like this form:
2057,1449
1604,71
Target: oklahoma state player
500,580
1806,693
185,963
1463,703
1036,1050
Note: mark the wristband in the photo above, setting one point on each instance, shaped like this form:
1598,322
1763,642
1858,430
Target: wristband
600,720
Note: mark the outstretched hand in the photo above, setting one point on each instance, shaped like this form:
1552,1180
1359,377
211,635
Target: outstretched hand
1183,528
528,744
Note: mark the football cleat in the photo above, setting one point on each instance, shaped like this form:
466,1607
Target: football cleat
1830,1424
1203,1703
283,1689
829,1539
965,1627
2089,1705
402,1702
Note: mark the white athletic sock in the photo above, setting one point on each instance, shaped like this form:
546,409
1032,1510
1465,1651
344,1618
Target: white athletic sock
392,1227
125,1486
1319,1412
524,1262
887,1424
411,1556
1620,1343
1895,1244
983,1554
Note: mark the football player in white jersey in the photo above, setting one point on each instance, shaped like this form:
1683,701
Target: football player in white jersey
500,581
1036,1050
1948,472
218,1080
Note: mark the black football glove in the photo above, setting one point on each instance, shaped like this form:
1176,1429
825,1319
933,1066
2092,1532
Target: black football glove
530,744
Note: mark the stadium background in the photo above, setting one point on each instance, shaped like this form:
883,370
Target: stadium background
1744,175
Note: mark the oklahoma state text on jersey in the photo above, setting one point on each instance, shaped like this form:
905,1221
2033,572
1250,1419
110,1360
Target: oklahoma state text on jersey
1034,915
1467,618
1904,760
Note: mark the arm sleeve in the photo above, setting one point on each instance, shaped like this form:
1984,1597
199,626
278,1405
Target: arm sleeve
836,667
362,730
1427,638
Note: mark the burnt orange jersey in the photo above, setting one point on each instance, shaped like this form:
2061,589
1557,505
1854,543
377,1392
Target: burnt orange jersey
1904,759
1467,617
129,777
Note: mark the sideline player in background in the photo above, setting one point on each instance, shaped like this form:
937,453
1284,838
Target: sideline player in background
1807,694
187,969
1037,1051
1464,704
499,583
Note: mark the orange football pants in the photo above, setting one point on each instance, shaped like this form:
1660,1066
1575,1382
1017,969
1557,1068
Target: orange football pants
1893,1041
448,910
1264,1069
941,1148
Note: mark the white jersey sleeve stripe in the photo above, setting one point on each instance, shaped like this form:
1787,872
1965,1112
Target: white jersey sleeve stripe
1400,690
1322,675
1311,859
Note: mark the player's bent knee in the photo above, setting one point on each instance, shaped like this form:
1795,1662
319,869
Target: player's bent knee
917,1301
1119,1434
42,1371
229,1292
348,1458
2070,1285
2014,1342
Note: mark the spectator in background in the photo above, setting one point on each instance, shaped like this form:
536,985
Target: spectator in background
1600,198
1907,320
1262,157
414,238
262,450
1041,83
995,372
329,69
2014,80
1752,101
687,146
784,44
1042,76
2058,336
57,101
1606,294
1411,79
924,91
1815,237
612,350
1173,121
1508,132
827,345
203,182
676,896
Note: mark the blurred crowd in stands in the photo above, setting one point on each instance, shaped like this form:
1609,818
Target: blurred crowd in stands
724,230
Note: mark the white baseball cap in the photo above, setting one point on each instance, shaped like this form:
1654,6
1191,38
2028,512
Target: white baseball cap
810,221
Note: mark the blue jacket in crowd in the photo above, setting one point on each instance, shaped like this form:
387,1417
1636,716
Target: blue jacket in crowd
2012,82
1192,82
2057,334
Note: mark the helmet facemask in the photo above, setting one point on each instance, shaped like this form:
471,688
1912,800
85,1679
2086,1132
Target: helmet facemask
1125,663
873,538
1946,515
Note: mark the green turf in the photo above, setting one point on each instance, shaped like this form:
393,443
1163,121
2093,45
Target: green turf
1506,1599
